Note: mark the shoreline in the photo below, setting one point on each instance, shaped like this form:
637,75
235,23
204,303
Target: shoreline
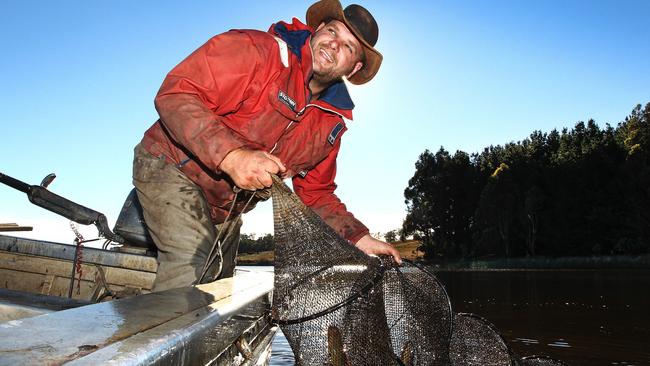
545,263
409,251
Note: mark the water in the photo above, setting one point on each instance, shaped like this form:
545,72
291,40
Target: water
281,355
583,317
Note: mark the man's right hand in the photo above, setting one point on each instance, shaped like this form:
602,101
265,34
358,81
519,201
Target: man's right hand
251,169
370,245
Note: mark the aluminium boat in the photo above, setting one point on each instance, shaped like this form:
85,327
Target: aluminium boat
76,305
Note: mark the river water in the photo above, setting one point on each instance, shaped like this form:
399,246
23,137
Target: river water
583,317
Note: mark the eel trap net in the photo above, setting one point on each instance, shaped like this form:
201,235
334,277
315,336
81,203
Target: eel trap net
338,306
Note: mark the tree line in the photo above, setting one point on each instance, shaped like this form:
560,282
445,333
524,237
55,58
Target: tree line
249,243
578,192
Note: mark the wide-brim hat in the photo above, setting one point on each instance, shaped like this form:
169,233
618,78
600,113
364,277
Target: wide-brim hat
361,23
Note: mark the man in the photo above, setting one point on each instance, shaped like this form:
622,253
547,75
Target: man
245,105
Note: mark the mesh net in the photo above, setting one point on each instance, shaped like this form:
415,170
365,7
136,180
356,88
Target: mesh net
338,306
476,342
418,314
314,267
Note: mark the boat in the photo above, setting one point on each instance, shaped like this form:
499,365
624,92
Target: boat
77,305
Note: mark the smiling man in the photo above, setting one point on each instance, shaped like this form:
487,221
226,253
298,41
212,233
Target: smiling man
336,52
246,105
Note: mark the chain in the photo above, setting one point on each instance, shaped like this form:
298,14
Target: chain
79,239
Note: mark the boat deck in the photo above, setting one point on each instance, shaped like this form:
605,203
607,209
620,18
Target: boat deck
223,322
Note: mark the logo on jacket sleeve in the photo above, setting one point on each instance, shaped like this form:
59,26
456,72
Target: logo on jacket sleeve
335,133
284,98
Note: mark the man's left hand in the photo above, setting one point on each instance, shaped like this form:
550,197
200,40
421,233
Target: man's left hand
370,245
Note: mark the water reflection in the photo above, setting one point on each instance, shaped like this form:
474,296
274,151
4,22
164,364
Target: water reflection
282,354
586,317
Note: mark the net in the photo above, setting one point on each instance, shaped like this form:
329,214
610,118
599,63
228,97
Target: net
319,279
339,306
475,342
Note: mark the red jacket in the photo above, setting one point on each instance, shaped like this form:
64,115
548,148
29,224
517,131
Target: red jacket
236,91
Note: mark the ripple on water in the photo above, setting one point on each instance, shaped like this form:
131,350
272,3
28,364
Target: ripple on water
560,343
526,341
282,354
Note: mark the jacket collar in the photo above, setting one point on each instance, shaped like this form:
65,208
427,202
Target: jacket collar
338,96
297,36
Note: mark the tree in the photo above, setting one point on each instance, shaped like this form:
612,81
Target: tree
249,244
441,199
497,206
391,236
634,134
582,191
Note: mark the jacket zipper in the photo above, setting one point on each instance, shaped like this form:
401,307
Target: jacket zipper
302,111
276,142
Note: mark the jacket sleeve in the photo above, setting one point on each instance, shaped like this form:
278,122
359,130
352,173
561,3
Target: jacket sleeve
208,84
316,190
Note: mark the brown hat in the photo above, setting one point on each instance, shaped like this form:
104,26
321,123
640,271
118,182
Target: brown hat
361,24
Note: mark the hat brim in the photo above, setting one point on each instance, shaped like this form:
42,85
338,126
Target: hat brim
331,9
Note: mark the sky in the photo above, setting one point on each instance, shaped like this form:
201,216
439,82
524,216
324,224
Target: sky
79,78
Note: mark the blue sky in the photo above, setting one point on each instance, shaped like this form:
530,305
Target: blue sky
78,81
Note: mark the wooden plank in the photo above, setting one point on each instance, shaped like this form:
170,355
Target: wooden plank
63,268
60,288
47,284
34,282
66,252
28,282
14,227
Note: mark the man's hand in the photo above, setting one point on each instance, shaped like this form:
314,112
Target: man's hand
370,245
251,169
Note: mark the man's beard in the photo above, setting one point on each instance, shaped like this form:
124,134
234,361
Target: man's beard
326,78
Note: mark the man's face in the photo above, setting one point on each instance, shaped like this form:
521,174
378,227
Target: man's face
337,52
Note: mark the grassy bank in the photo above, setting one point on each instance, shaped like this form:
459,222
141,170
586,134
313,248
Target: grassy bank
255,259
599,262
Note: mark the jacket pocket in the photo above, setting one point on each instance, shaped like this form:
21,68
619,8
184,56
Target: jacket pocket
147,167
